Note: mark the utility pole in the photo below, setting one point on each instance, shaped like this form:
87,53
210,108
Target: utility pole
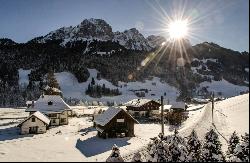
162,119
212,108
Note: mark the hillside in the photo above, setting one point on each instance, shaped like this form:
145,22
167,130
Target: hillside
71,88
120,57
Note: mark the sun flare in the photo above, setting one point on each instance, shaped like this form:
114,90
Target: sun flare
178,29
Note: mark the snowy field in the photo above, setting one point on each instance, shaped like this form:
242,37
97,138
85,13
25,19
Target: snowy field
78,140
72,144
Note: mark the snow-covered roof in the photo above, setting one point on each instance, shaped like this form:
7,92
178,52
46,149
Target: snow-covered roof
99,129
178,105
49,104
108,115
38,115
166,107
137,102
201,100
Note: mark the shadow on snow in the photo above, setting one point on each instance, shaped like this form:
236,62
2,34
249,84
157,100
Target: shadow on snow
11,134
95,145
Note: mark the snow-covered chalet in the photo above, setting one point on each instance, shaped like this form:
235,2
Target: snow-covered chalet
142,107
36,123
54,107
115,122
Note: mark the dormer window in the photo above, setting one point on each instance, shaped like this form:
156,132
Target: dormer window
50,103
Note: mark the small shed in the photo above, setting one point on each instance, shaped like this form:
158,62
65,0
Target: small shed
178,106
36,123
142,107
115,122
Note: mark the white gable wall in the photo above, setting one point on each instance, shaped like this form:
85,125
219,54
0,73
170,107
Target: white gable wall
28,123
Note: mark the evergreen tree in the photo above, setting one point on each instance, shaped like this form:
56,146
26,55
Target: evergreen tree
99,91
103,89
51,80
156,150
177,148
92,81
88,91
52,87
236,155
193,147
233,141
211,150
168,148
115,155
245,147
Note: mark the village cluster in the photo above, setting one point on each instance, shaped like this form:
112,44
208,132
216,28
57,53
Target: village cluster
52,110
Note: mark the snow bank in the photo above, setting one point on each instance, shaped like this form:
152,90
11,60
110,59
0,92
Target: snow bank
235,113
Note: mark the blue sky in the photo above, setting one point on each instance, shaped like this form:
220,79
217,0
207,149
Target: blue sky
225,22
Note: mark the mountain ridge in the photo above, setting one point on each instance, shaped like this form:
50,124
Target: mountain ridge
118,56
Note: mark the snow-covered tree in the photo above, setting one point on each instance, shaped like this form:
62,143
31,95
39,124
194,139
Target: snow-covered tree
211,150
236,155
177,148
168,148
137,157
115,155
245,147
233,141
156,150
193,147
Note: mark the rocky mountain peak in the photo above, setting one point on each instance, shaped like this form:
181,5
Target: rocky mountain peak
156,40
98,29
93,29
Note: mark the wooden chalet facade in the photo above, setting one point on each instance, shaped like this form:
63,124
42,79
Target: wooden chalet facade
142,107
115,122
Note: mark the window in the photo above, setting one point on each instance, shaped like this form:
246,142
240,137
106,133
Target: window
63,120
53,121
120,120
50,103
137,114
33,119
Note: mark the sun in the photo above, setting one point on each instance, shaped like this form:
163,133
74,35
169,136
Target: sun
178,29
